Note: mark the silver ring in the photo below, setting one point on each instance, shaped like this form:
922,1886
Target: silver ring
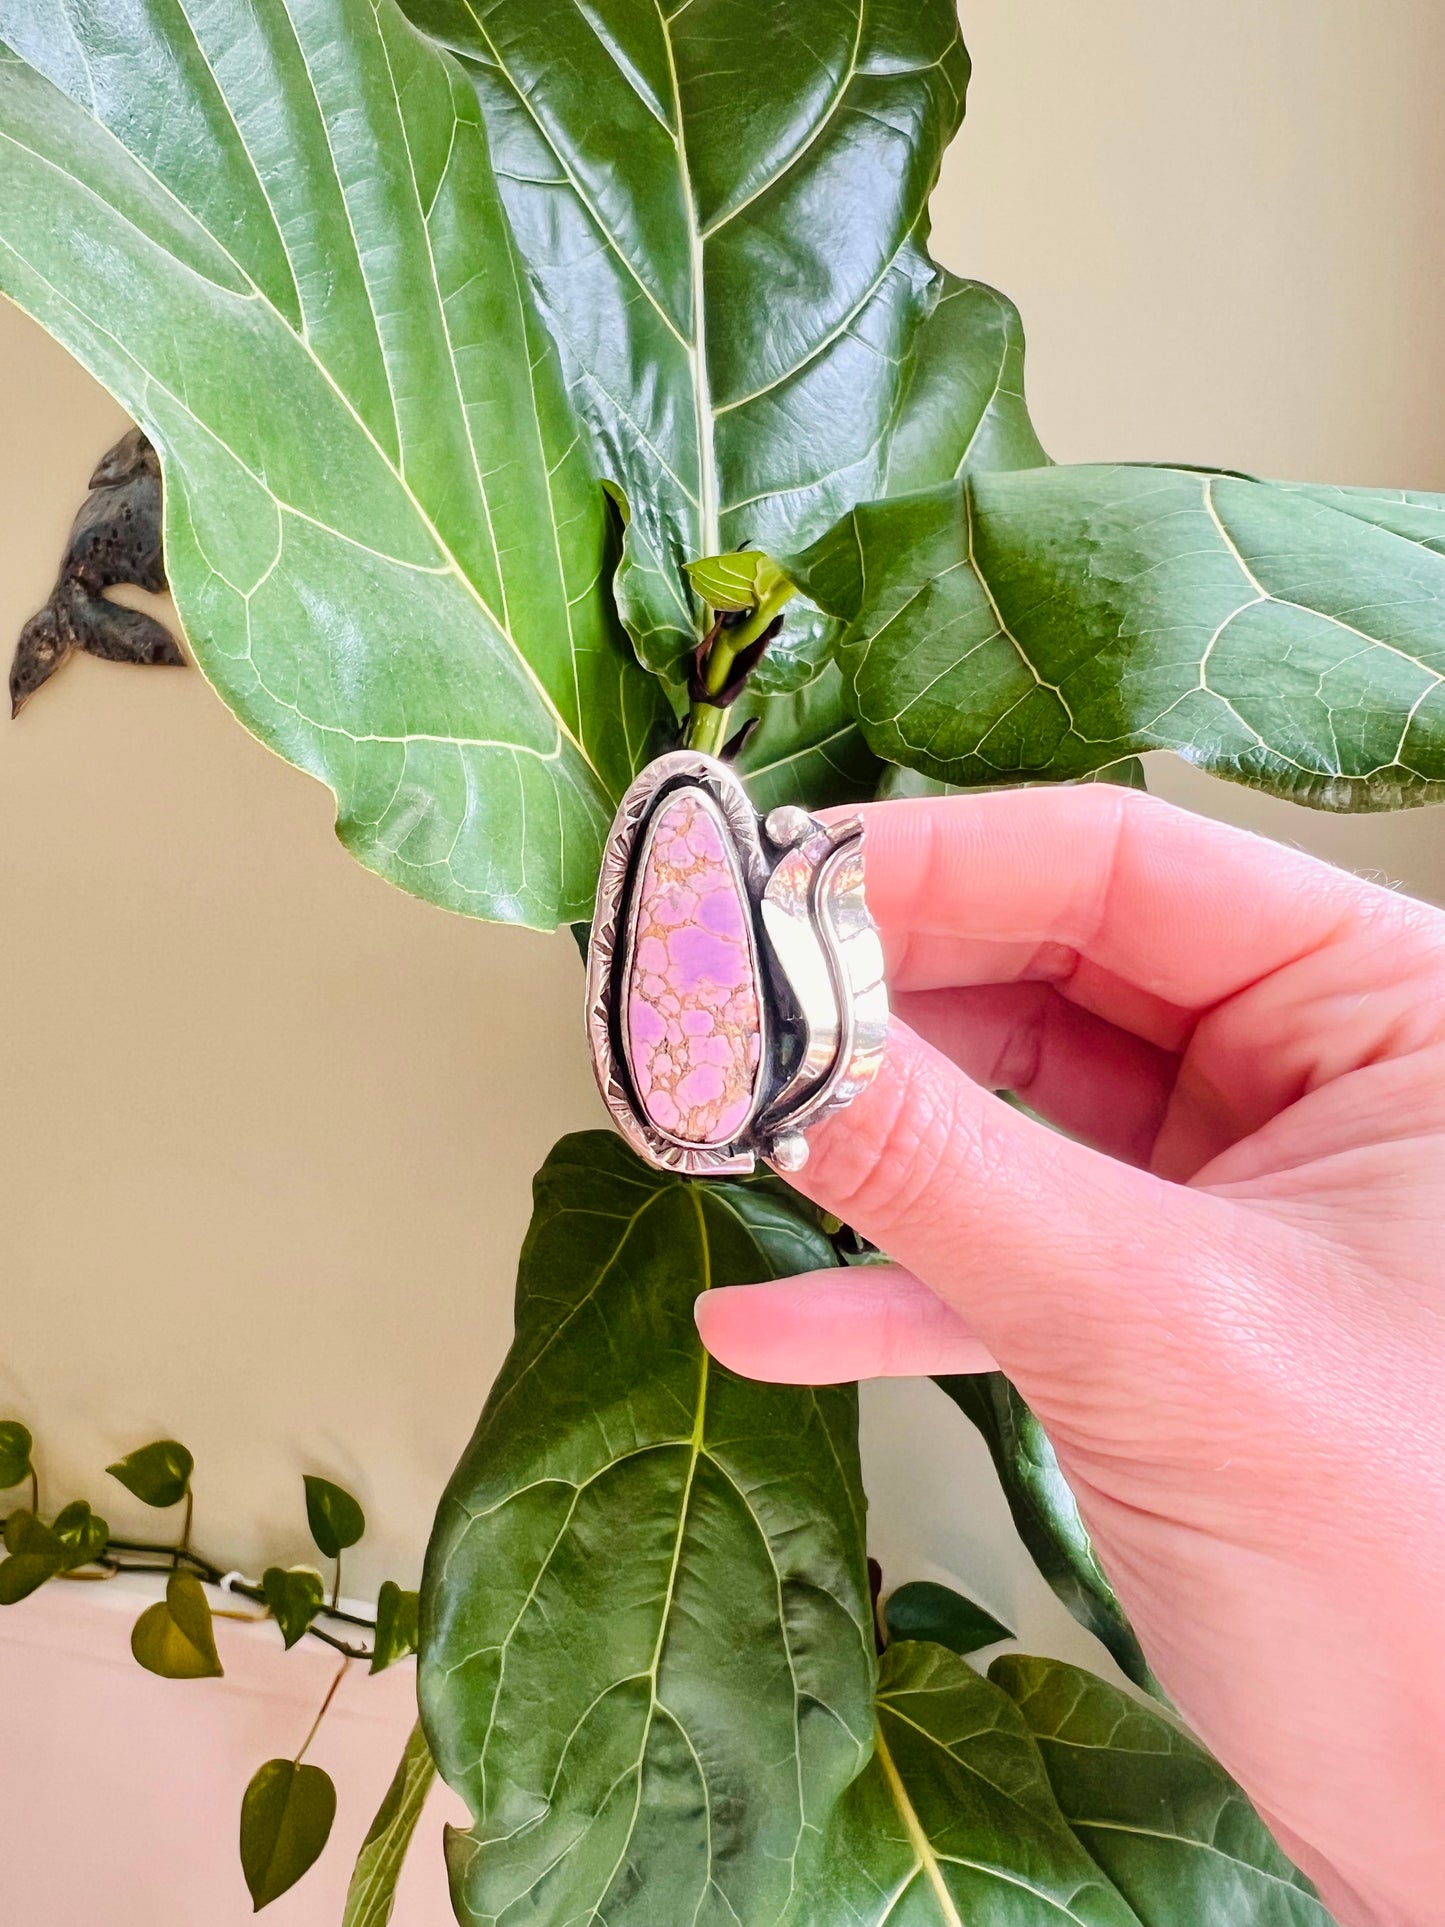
735,986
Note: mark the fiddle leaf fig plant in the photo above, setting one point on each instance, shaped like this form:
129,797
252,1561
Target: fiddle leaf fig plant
646,1597
306,291
534,384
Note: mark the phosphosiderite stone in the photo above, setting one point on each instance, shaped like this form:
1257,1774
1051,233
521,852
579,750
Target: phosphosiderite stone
694,1019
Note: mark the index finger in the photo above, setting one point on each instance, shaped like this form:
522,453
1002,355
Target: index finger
1039,882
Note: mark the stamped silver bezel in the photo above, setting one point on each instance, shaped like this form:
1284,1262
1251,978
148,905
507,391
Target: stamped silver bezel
613,894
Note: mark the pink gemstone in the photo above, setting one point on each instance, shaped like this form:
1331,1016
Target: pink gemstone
693,965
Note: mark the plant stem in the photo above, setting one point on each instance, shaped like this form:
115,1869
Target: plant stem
336,1585
169,1558
35,1491
330,1695
707,725
185,1544
707,728
213,1574
342,1646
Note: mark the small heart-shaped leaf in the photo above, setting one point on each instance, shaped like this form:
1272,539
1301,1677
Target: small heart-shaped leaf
925,1610
174,1638
286,1818
39,1551
82,1532
25,1533
24,1573
396,1626
158,1474
295,1595
35,1556
15,1447
335,1519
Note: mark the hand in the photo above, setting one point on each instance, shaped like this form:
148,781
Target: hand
1225,1301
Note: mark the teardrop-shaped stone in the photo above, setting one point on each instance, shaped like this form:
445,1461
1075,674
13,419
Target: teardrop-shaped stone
694,1016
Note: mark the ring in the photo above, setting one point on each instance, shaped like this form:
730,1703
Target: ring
735,987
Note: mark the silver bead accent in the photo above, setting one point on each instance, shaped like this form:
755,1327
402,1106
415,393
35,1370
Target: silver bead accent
788,825
789,1152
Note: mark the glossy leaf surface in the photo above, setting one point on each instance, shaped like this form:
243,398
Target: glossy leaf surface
396,1625
1173,1832
807,748
922,1609
724,207
742,579
295,1595
1008,626
1046,1513
963,407
647,1649
286,1817
1040,1795
372,1894
274,233
16,1445
81,1531
158,1474
175,1638
953,1823
334,1517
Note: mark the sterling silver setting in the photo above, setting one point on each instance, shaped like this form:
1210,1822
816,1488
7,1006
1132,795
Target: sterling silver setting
821,1001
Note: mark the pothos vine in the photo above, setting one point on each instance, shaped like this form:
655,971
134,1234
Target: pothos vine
288,1805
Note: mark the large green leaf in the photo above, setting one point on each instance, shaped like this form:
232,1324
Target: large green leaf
1046,1513
724,205
963,407
1166,1823
1040,1795
1007,626
953,1823
647,1645
372,1894
274,233
807,747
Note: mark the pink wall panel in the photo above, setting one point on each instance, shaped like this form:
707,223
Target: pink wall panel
120,1793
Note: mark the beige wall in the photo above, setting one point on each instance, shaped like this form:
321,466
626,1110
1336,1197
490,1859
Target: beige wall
268,1125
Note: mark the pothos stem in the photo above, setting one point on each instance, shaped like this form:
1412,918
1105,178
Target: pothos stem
185,1543
213,1574
330,1696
